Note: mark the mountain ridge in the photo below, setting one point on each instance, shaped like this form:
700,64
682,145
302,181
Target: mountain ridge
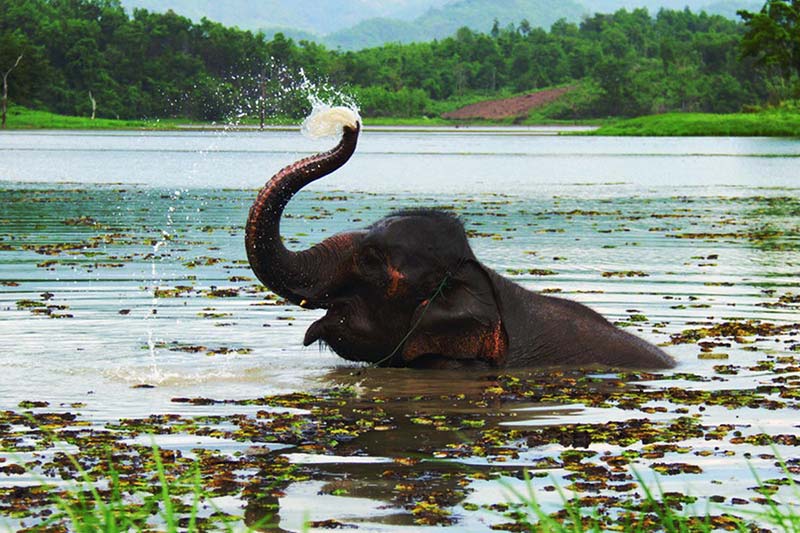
360,24
442,22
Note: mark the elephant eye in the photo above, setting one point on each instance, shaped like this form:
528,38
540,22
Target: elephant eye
371,260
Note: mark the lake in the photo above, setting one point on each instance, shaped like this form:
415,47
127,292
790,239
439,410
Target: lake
125,294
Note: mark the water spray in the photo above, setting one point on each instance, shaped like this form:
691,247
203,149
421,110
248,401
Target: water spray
326,121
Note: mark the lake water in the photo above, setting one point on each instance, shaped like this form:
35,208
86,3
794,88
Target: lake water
122,266
444,161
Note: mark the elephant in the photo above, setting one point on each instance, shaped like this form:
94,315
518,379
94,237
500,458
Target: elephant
408,291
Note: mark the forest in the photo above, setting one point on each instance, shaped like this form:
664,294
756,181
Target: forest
159,65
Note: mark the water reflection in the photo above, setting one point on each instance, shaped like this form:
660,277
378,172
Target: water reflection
372,479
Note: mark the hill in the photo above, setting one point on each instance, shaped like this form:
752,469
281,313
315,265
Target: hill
479,15
436,23
725,8
358,24
318,17
376,32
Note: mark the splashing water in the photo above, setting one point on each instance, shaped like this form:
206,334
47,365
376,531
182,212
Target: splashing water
326,121
269,89
155,373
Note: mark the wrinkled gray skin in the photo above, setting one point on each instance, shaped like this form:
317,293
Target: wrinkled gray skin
408,291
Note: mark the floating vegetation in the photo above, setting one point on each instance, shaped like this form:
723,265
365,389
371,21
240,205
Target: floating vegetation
738,331
203,261
82,221
444,449
341,422
176,346
173,292
531,272
626,274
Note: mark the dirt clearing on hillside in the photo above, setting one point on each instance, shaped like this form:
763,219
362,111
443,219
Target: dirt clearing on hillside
517,106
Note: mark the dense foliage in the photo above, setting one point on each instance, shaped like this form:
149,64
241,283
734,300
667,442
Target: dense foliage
357,24
634,63
773,39
158,65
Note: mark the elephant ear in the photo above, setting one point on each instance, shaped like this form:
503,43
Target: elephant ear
461,322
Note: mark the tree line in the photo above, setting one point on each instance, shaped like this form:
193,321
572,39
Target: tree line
81,52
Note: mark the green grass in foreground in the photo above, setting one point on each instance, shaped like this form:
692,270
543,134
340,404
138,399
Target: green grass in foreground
86,509
657,510
121,495
762,124
175,504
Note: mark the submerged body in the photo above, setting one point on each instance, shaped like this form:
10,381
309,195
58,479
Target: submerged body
408,291
555,331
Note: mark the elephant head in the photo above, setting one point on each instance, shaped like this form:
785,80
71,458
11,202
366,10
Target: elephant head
390,291
408,290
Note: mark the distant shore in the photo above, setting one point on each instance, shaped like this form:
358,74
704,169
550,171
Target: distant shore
757,124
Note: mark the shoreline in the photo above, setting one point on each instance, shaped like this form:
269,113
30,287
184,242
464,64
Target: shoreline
768,123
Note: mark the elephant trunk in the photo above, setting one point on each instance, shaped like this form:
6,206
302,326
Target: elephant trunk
297,276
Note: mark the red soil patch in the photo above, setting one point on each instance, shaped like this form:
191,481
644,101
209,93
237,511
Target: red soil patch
508,107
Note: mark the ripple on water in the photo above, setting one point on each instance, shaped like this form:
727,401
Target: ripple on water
95,300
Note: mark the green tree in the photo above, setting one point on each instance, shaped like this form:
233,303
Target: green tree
20,64
163,64
773,37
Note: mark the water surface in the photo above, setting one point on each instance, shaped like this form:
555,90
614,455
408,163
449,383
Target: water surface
124,284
